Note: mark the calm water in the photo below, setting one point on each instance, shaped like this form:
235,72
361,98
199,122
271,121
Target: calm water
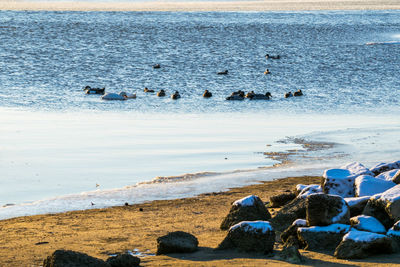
47,57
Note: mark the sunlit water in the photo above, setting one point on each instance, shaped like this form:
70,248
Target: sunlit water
55,140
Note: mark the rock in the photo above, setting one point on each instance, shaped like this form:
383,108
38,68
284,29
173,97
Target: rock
339,182
366,185
383,167
322,237
390,175
308,190
281,199
359,244
376,209
394,234
69,258
289,236
296,209
396,178
250,236
290,254
390,199
250,208
123,260
322,209
368,224
177,242
357,169
356,204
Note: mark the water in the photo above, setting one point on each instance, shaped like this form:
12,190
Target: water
61,149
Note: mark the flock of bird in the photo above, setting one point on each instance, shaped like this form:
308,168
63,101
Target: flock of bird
238,95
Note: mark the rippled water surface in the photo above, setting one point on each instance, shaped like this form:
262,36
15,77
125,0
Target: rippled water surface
47,57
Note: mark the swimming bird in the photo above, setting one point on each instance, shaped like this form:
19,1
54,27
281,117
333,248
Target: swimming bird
267,71
267,56
176,95
298,93
147,90
128,96
249,94
161,93
156,66
91,91
239,95
223,72
288,94
207,94
113,96
265,96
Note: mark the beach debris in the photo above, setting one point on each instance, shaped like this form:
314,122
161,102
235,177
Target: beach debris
367,223
383,167
123,260
41,243
177,242
140,209
250,208
72,258
295,209
367,185
207,94
322,237
161,93
360,244
225,72
94,91
322,209
356,204
92,203
250,236
126,204
281,199
176,95
290,254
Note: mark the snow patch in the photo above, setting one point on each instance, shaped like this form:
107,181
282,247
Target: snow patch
309,190
368,223
253,226
362,236
353,201
391,195
246,201
300,222
388,176
356,168
338,174
333,228
367,185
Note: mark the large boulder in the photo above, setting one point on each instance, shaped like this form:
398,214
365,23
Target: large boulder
356,204
281,199
383,167
290,254
69,258
357,168
322,209
390,175
304,191
123,260
366,185
296,209
359,244
390,199
250,208
394,234
376,209
396,177
367,223
177,242
250,236
322,237
289,236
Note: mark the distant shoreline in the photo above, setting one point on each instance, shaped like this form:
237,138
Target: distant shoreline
191,6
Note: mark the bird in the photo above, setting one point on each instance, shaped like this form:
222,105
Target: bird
223,72
91,91
207,94
176,95
267,56
161,93
147,90
128,96
113,96
298,93
156,66
267,72
288,94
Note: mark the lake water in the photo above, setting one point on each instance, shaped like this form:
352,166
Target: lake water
61,149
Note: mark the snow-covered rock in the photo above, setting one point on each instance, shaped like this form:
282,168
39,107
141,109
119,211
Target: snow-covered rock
322,209
296,209
367,223
308,190
250,208
290,234
322,237
383,167
356,168
356,204
390,199
388,176
250,236
376,209
360,244
366,185
339,182
394,234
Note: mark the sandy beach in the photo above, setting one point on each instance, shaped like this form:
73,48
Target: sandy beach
264,5
26,241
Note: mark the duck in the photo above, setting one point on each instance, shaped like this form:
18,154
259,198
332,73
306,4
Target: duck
288,94
161,93
147,90
176,95
113,96
267,56
239,95
156,66
225,72
265,96
127,95
250,94
298,93
238,92
267,72
91,91
207,94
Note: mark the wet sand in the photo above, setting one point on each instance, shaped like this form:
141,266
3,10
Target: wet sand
26,241
264,5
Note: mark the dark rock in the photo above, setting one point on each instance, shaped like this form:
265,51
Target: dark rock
396,178
254,236
360,244
390,200
250,208
123,260
281,199
69,258
376,208
296,209
322,209
394,234
289,236
290,254
322,237
177,242
383,167
356,204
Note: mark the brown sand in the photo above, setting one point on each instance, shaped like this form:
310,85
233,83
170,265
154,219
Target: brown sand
26,241
262,5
